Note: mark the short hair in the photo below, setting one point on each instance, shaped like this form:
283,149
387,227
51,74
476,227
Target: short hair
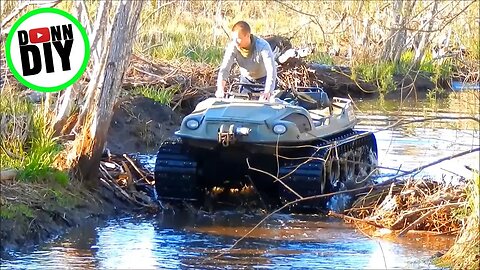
242,26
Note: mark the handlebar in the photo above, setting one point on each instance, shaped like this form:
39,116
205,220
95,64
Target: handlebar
248,95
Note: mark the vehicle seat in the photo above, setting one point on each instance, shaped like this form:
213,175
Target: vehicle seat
314,100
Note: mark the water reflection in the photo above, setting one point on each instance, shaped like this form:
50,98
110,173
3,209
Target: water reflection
129,249
284,242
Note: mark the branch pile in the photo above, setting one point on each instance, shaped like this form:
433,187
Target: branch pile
421,205
128,181
194,80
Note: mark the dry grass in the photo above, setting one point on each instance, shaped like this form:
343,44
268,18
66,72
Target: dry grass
465,253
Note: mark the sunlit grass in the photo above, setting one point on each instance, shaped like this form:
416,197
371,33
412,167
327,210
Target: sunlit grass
161,95
27,142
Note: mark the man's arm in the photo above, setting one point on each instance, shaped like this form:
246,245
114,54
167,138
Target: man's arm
225,67
270,67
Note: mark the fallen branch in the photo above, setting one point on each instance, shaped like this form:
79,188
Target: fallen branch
434,163
418,221
137,169
345,217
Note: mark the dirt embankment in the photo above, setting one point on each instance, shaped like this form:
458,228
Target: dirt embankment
140,125
32,213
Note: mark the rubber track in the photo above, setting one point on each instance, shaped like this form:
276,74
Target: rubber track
175,172
309,178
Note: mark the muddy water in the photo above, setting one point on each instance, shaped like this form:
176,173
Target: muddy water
203,241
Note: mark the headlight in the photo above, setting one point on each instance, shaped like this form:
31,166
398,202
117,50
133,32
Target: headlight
192,124
279,129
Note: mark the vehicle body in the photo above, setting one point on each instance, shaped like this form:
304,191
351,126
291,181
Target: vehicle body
297,145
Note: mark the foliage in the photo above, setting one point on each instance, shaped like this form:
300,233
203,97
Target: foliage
10,211
381,73
321,58
161,95
27,140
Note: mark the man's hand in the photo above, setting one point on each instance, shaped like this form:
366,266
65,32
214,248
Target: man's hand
265,96
220,93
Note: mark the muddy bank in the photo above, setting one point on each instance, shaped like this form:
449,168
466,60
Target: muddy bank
32,213
140,125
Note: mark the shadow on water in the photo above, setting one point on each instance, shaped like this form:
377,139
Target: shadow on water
186,240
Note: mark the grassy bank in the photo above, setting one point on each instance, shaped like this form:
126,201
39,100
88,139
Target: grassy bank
37,200
27,141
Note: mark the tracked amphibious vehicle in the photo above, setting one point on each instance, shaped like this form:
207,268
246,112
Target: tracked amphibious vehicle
300,144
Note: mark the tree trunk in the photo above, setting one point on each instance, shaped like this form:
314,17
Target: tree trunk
425,39
396,14
396,41
89,144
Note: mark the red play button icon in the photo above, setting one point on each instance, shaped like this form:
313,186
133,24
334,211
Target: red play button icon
39,35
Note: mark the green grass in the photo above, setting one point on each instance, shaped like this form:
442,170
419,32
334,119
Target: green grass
27,141
62,197
11,211
161,95
321,58
382,73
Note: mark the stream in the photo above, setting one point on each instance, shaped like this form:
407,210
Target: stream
285,241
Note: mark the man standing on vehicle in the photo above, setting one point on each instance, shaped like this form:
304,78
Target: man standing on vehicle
255,59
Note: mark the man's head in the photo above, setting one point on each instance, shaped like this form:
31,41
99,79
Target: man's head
241,34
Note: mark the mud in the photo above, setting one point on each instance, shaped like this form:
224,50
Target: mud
140,125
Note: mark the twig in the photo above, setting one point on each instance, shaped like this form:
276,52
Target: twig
105,172
10,154
436,162
276,179
15,13
137,169
153,12
342,216
413,224
130,178
20,8
180,99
